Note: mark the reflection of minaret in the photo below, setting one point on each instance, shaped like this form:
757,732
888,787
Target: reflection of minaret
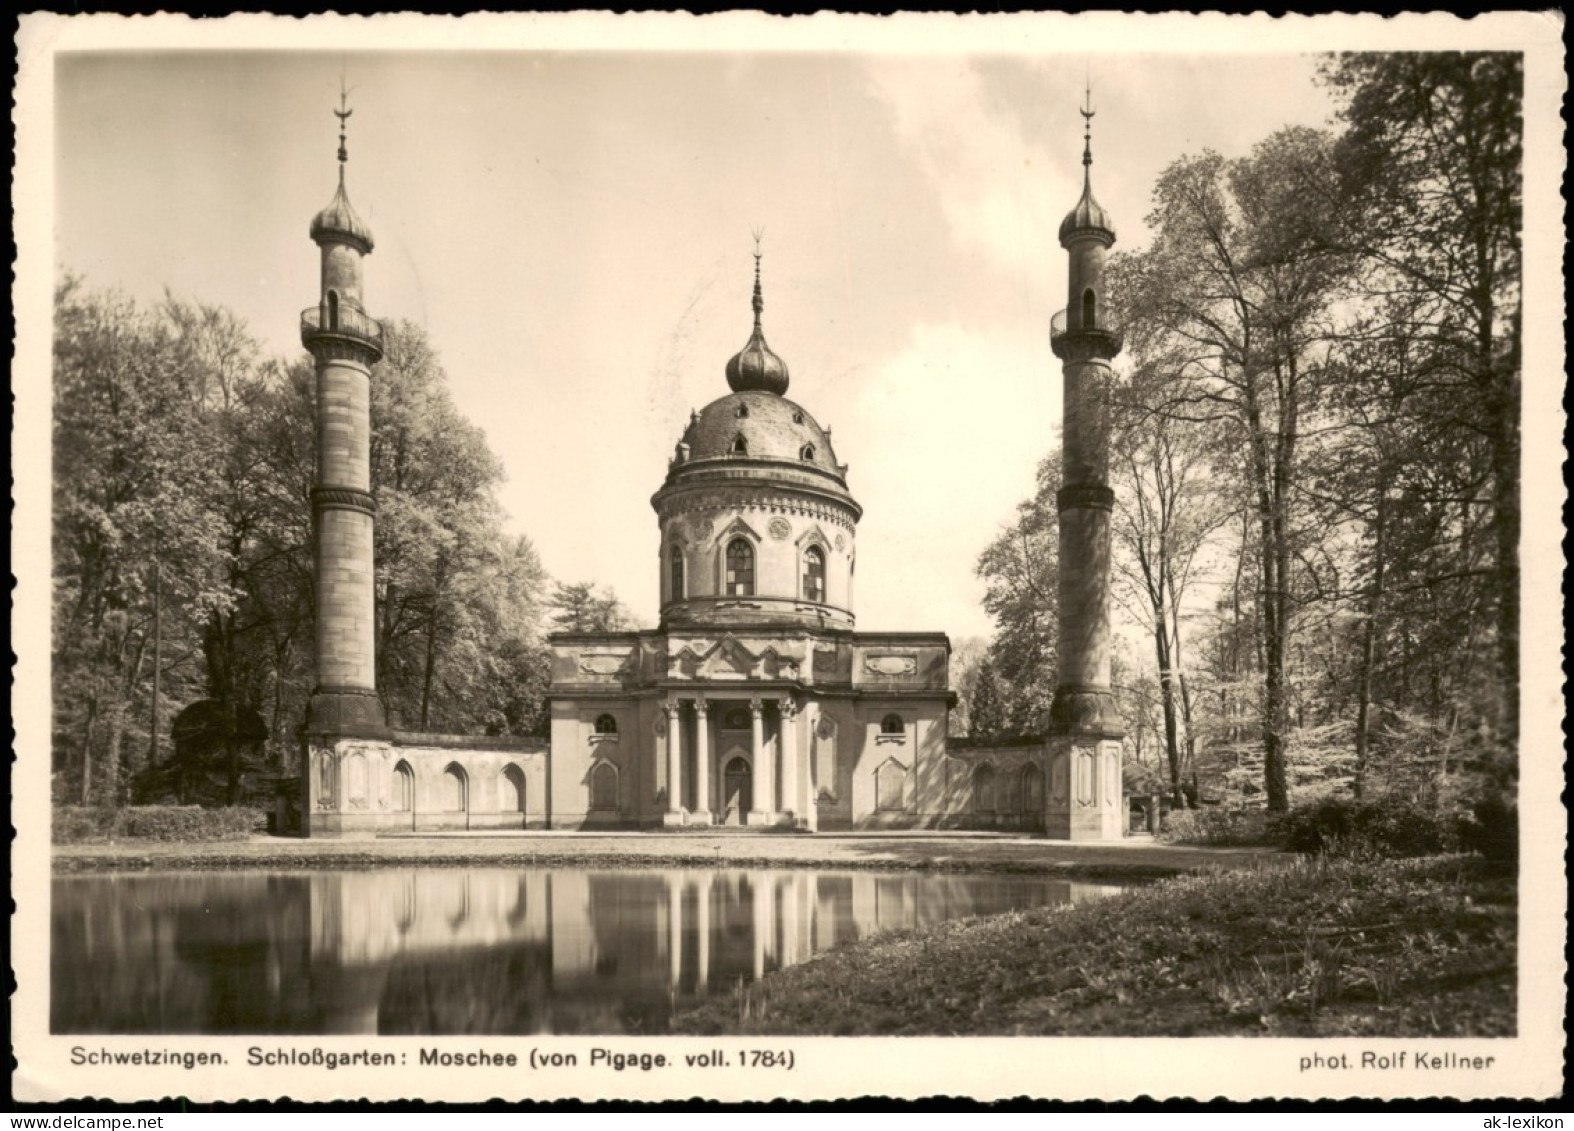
760,898
702,930
344,342
1085,726
675,928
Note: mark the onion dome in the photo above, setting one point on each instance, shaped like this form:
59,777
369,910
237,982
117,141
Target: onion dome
755,368
338,221
1088,218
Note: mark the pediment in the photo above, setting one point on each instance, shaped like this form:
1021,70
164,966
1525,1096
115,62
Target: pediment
729,659
813,536
735,527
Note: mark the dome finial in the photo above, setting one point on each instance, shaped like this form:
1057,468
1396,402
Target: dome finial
759,294
755,368
343,114
1087,113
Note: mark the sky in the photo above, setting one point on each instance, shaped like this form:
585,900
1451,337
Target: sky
572,227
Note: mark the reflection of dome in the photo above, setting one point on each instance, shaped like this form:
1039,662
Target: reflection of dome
759,425
339,219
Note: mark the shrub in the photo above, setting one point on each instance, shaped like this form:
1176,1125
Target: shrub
1492,829
81,824
156,822
1343,828
1219,827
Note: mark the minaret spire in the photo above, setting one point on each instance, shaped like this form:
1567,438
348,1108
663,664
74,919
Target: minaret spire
343,114
1087,113
759,294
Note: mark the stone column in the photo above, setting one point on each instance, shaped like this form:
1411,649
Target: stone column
811,779
764,801
701,814
702,928
674,813
792,803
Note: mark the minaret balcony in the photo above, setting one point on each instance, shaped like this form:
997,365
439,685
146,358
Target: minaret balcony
323,326
1103,339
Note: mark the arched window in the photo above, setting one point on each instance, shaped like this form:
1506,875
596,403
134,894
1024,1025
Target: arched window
797,418
740,446
455,789
740,568
814,574
404,788
1087,310
892,724
1032,789
806,452
511,797
604,786
606,724
983,790
743,411
333,310
675,573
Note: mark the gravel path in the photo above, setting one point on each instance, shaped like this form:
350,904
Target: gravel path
955,852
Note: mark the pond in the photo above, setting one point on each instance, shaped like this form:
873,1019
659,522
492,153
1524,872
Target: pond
429,951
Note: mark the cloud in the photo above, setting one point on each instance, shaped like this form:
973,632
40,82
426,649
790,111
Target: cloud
997,191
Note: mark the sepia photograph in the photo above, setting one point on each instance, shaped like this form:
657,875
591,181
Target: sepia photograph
446,448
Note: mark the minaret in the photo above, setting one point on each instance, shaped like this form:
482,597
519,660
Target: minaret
345,342
1085,800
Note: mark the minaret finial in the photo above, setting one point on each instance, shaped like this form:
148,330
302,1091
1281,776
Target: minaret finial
343,114
1087,125
759,294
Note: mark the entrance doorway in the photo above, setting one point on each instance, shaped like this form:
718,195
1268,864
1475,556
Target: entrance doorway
737,790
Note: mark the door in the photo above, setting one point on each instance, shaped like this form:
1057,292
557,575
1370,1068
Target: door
737,790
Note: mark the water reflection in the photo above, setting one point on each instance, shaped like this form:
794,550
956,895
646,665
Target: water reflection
432,951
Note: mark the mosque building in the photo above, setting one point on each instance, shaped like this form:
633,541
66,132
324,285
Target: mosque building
755,702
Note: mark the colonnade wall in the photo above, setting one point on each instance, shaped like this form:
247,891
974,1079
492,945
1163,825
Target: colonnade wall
418,782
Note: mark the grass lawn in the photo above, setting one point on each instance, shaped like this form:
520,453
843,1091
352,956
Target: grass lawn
1322,947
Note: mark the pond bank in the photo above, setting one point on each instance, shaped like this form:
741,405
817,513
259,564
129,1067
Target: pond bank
1134,859
1314,948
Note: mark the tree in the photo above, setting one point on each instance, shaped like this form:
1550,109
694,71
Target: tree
1431,163
1232,305
582,607
1020,569
131,457
1167,506
988,715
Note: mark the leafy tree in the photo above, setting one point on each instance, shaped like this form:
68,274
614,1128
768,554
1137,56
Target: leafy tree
1431,163
1167,507
1020,569
1232,304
